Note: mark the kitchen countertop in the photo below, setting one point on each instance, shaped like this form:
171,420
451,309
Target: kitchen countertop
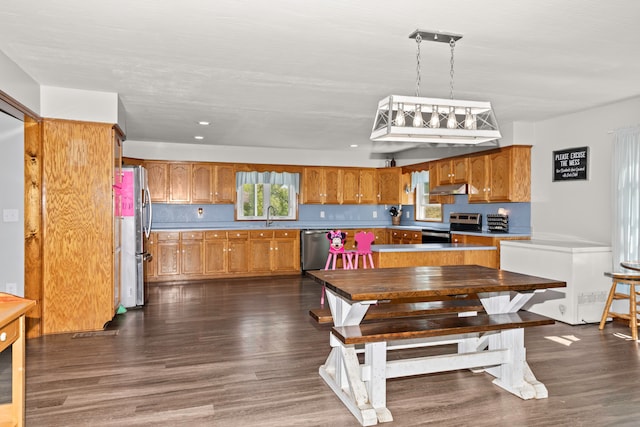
431,247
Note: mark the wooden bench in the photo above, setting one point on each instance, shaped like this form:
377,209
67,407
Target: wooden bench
410,328
402,310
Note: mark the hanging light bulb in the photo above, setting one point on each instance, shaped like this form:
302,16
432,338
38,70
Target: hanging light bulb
417,118
451,120
400,115
435,118
470,120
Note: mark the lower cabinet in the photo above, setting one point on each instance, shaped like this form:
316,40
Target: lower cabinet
471,239
209,254
404,237
274,251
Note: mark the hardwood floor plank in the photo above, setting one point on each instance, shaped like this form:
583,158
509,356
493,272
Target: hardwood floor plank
245,353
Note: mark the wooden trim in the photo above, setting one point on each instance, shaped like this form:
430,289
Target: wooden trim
33,223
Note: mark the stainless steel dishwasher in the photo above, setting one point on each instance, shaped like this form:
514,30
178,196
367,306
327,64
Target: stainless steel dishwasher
314,249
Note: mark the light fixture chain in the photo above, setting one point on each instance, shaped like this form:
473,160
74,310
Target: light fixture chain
418,40
452,44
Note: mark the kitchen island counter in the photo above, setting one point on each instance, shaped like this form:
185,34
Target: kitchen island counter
433,254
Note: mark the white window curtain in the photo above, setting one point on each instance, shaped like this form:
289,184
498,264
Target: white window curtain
626,196
291,180
419,178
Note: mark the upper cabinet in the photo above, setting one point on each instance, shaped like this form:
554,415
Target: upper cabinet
321,185
452,171
501,176
158,179
191,182
212,183
359,186
390,186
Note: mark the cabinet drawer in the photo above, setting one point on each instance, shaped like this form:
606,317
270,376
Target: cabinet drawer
168,235
286,234
237,234
212,235
191,235
9,334
261,234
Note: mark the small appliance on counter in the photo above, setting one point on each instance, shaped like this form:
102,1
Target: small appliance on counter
498,223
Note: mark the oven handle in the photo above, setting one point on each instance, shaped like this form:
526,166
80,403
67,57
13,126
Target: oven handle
436,233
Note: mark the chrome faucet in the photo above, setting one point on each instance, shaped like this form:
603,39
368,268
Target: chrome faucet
271,211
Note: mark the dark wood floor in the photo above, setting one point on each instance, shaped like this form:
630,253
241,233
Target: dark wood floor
244,353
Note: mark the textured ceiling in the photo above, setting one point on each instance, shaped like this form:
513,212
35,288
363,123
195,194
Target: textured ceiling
308,74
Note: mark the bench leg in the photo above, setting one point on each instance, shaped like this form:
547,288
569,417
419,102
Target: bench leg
375,359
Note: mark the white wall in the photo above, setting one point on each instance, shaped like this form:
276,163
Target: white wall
12,197
18,84
575,209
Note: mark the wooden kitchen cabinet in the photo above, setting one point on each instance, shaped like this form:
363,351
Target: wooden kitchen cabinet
452,171
179,183
321,185
434,179
274,251
168,249
150,268
215,253
359,186
158,179
211,183
390,186
237,251
78,286
502,176
192,253
404,237
381,236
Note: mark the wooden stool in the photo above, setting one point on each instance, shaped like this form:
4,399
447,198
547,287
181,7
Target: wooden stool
631,279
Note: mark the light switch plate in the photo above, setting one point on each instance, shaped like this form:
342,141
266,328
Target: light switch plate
10,215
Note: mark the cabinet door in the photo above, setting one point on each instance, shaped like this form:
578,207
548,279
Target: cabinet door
444,174
150,271
389,186
238,252
192,252
215,252
168,258
225,184
202,183
477,178
350,186
286,255
158,179
459,167
312,185
179,182
381,236
369,186
332,186
260,251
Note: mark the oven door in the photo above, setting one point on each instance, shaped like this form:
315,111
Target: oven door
435,236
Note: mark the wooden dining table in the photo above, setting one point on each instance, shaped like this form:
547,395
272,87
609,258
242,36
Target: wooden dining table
501,353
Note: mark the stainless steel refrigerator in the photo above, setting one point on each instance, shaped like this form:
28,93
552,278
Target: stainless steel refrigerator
136,226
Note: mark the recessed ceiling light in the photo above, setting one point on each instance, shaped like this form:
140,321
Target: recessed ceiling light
354,146
204,123
198,137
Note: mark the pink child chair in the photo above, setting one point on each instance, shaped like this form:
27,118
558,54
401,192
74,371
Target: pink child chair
337,239
363,242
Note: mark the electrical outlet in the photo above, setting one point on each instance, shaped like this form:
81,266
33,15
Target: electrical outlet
10,215
11,288
375,214
321,214
406,215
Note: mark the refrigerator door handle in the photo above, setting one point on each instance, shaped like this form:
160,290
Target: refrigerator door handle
147,229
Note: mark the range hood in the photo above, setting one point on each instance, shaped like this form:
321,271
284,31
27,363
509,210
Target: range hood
441,190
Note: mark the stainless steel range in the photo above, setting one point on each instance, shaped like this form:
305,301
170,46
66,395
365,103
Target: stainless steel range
457,222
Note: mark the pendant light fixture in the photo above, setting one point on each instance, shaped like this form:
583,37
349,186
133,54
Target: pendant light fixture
447,121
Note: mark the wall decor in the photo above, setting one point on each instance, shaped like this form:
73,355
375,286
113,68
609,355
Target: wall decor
570,164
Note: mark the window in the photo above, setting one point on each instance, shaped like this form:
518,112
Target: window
255,199
425,211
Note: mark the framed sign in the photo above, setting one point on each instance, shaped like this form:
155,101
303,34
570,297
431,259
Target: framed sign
570,164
